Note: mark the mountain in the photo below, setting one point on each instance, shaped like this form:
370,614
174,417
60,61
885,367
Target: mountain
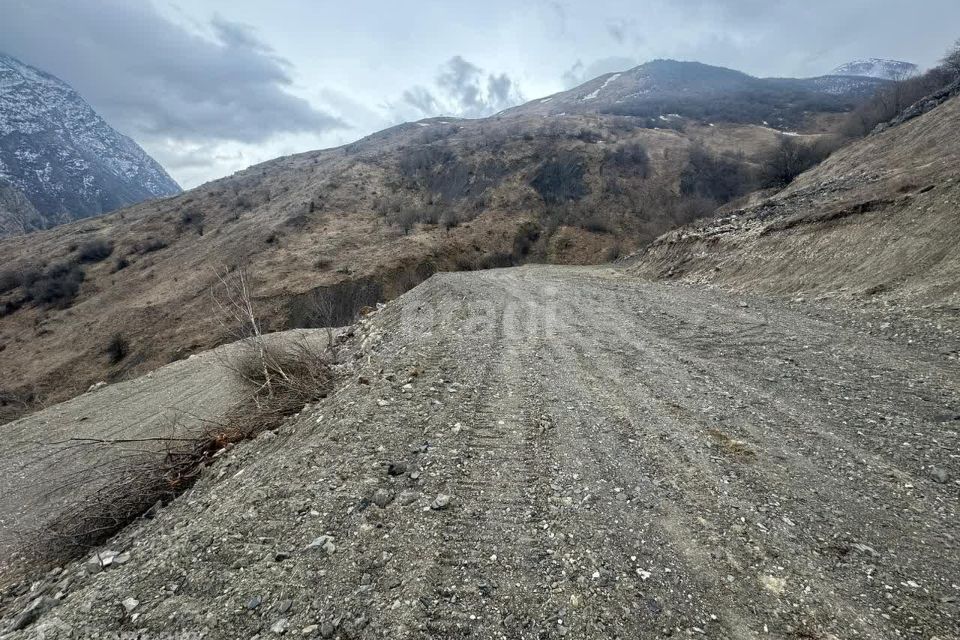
877,68
662,89
326,232
62,156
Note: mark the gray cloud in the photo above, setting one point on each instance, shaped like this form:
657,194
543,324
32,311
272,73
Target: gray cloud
421,99
461,89
460,81
152,77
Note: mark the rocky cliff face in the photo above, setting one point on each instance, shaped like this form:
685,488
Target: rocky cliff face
62,156
17,215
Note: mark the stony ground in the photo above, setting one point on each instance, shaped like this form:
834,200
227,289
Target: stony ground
548,452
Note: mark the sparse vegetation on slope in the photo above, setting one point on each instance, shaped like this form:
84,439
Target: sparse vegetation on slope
277,378
877,221
386,211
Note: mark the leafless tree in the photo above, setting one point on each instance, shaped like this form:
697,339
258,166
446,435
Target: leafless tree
951,61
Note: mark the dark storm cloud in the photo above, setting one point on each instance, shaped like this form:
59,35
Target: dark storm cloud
150,76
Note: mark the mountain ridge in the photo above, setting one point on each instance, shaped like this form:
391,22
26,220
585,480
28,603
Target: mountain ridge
661,88
880,68
66,160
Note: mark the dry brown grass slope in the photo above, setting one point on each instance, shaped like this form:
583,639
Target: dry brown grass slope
385,212
879,220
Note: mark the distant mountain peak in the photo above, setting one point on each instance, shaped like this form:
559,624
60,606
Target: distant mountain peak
877,68
62,156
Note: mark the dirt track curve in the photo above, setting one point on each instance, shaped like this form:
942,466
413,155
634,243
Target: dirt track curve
624,460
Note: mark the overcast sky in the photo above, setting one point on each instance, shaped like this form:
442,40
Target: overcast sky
211,86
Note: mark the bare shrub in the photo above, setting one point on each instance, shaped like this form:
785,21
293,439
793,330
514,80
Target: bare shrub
526,236
406,218
951,61
612,252
8,307
57,286
149,246
449,219
494,260
9,280
191,218
278,380
281,380
630,158
790,157
94,250
333,306
715,176
117,348
14,404
561,179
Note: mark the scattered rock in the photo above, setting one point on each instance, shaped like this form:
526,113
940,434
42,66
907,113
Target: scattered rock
254,602
865,549
323,542
408,497
309,630
327,630
939,475
382,498
397,468
33,611
441,502
101,560
284,606
774,584
280,626
96,386
129,604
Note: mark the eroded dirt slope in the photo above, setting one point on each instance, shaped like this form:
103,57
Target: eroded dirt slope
622,460
878,221
56,463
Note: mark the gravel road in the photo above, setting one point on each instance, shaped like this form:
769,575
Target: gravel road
622,460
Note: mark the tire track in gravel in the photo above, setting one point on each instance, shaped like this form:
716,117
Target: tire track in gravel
488,537
583,366
788,479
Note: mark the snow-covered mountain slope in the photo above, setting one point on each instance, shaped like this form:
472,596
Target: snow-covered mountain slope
877,68
62,156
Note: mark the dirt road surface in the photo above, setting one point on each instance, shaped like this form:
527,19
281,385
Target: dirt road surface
622,460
